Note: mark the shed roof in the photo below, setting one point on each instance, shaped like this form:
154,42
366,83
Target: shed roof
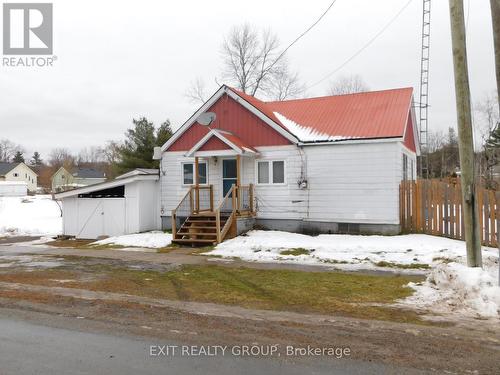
107,185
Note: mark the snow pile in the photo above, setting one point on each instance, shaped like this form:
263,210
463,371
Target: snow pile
154,240
306,133
347,251
29,216
456,288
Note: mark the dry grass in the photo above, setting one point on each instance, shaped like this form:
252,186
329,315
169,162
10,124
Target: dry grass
295,251
349,294
72,243
402,266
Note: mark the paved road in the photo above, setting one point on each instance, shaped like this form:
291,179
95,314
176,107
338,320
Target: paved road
32,348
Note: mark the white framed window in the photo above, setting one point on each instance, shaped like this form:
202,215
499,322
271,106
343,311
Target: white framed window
188,175
271,172
16,174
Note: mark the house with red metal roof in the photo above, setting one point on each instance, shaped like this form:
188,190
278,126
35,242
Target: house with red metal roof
329,164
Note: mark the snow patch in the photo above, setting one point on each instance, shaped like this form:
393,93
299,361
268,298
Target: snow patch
306,133
35,215
347,251
155,240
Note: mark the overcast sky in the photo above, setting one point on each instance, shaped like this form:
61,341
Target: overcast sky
123,59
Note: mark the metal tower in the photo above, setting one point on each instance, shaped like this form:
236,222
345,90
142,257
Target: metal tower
424,88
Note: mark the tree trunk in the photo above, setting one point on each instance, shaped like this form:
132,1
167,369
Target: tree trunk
465,140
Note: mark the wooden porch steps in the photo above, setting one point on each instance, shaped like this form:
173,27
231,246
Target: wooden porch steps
197,221
199,229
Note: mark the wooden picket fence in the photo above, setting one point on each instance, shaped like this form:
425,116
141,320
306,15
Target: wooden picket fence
435,207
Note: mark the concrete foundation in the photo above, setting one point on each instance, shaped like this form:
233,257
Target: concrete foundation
244,224
166,222
321,227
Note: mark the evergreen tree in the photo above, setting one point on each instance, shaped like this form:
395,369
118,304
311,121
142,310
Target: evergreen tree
163,133
493,141
36,159
137,150
18,157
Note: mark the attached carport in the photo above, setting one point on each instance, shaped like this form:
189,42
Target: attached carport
128,204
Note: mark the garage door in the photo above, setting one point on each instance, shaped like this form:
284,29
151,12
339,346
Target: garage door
100,217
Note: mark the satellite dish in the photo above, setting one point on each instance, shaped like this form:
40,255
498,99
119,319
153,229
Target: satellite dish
206,119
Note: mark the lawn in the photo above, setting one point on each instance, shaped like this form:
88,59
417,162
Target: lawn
349,294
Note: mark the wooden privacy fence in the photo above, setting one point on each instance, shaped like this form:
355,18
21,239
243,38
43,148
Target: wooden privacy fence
435,207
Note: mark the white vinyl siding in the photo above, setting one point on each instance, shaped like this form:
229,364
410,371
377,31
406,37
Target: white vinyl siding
346,183
355,183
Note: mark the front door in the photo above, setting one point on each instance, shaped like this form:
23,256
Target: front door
229,175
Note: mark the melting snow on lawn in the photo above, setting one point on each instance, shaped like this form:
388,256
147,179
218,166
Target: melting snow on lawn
153,240
449,287
32,215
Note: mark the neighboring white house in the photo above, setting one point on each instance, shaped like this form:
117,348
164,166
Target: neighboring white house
125,205
327,164
64,179
19,172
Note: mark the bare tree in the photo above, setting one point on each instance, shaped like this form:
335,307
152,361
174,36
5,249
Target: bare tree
286,86
8,149
348,85
253,63
487,108
488,157
60,157
91,156
435,141
112,156
197,91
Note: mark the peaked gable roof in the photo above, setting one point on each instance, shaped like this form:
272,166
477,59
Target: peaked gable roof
360,116
228,139
7,167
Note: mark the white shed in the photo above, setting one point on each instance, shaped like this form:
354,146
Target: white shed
13,189
128,204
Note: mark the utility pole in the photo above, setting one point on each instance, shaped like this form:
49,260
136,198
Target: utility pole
495,18
465,140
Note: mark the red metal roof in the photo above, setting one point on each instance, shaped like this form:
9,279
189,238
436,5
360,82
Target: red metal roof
376,114
236,141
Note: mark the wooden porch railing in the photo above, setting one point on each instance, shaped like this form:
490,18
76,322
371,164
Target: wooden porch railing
226,207
199,200
245,198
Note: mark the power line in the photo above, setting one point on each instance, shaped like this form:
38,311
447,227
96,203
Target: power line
304,33
364,47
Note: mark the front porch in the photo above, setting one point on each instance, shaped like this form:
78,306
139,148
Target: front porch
208,214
